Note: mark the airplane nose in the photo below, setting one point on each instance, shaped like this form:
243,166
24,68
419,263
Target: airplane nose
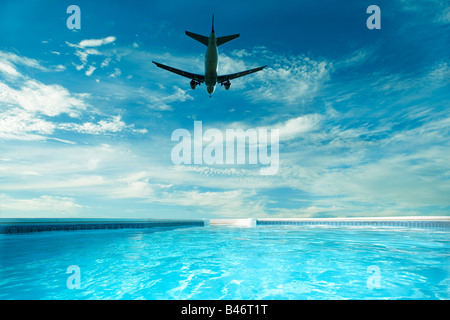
210,89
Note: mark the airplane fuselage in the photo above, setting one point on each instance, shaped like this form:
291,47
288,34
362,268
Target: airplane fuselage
211,64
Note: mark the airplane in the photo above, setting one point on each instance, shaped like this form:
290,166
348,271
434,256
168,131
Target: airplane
210,78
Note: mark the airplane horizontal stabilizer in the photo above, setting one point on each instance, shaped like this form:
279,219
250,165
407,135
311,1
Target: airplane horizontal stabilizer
198,37
224,39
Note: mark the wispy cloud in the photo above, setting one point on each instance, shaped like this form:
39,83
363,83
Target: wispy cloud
162,100
91,47
292,128
8,69
18,124
43,206
431,78
356,58
288,79
112,125
39,98
9,57
437,10
9,62
90,71
233,203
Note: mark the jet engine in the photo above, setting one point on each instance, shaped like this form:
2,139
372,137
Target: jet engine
193,84
227,85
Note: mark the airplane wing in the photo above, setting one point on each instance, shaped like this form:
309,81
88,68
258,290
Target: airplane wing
197,77
227,77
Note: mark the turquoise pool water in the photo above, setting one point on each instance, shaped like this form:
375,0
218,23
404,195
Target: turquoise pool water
266,262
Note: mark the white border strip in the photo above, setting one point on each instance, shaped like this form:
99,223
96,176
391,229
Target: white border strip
406,220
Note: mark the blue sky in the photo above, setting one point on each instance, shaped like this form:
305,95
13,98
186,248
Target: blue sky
86,118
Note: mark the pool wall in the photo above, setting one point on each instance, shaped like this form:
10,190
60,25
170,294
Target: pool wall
414,222
419,222
25,225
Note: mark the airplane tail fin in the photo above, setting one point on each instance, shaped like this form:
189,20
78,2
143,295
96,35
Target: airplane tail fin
199,38
224,39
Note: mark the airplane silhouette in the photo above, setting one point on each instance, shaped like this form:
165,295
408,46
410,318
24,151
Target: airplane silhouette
210,78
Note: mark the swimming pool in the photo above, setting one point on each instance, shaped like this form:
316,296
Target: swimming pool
223,262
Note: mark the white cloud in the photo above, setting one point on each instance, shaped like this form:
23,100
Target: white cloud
59,68
49,100
240,53
8,69
18,60
394,180
444,18
229,65
439,74
116,73
90,71
59,166
88,48
133,186
105,62
44,206
436,11
83,55
27,109
434,77
288,79
97,42
10,61
115,124
370,169
355,58
233,203
101,171
159,100
292,128
289,129
28,105
292,82
19,124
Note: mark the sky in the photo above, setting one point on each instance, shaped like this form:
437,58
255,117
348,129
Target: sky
86,118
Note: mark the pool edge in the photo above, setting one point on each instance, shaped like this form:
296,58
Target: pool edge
29,225
404,221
